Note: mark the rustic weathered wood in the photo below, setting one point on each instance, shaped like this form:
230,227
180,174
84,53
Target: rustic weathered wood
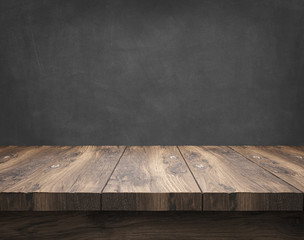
231,182
6,152
284,162
151,178
21,162
16,201
58,178
152,225
17,163
298,149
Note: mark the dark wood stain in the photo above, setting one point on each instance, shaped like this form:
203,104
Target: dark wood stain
173,201
152,225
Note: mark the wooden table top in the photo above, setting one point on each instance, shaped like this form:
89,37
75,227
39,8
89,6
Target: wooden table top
151,178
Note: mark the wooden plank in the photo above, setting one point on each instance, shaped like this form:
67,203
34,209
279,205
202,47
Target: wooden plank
231,182
284,162
152,225
6,152
299,148
68,178
19,162
153,178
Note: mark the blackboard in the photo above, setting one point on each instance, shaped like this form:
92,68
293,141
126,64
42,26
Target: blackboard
149,72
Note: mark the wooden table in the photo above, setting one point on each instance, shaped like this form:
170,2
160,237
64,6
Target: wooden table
220,183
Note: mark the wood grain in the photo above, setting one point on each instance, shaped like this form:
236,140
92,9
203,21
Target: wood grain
16,163
152,225
284,162
20,162
231,182
153,178
58,178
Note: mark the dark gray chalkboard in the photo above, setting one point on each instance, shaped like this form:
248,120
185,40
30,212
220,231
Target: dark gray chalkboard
151,72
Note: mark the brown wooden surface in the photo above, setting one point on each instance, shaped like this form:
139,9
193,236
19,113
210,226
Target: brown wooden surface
153,225
231,182
58,178
285,162
19,162
247,178
151,178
